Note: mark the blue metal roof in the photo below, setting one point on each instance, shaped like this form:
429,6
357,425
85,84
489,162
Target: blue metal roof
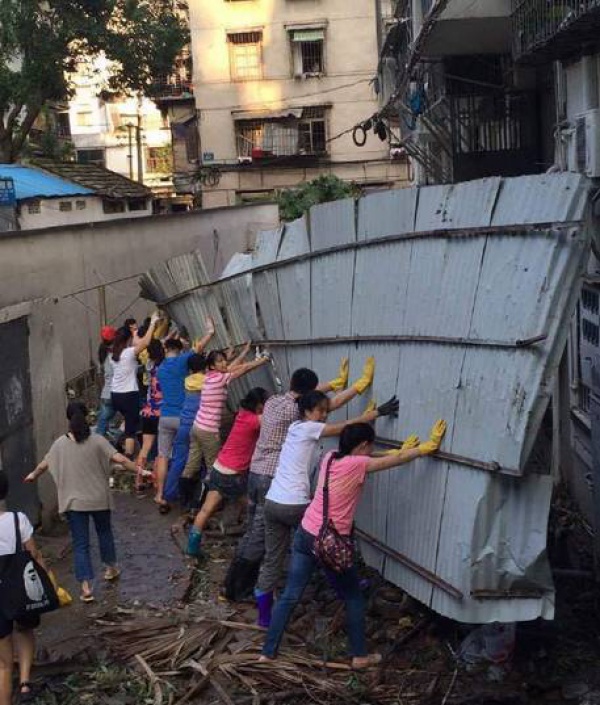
35,183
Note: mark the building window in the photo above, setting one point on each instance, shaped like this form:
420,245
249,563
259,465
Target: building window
584,393
91,156
245,55
590,332
65,206
159,160
289,136
589,300
84,119
80,205
113,205
308,52
137,204
34,207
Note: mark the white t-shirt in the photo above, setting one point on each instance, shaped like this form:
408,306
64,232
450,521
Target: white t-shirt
124,377
291,484
8,540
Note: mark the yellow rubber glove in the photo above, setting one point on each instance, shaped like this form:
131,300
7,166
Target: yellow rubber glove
411,442
161,329
435,438
371,406
341,381
366,379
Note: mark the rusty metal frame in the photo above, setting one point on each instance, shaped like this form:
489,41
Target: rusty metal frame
411,565
374,242
434,339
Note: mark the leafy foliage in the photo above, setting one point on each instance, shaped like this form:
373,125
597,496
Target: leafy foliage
293,203
42,41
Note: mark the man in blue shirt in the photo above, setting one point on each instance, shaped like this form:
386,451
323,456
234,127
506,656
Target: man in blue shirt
171,376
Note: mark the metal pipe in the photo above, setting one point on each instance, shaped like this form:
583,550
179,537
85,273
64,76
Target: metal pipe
516,594
411,565
491,467
435,339
500,230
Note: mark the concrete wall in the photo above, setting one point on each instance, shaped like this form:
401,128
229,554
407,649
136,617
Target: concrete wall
68,265
50,215
48,400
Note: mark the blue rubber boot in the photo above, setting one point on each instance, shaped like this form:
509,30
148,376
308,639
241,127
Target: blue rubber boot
194,540
264,603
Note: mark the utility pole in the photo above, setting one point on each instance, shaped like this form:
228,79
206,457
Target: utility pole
130,148
138,139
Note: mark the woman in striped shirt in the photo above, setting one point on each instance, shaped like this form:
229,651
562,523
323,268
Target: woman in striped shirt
205,440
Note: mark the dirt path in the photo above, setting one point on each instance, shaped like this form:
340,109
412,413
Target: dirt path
154,574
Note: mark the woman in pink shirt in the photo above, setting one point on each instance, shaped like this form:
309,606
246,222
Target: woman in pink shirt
347,471
205,440
229,473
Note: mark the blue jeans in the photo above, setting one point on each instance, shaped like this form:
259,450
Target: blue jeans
79,523
181,446
105,415
302,565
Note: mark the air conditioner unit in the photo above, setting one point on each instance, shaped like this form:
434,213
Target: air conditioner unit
584,146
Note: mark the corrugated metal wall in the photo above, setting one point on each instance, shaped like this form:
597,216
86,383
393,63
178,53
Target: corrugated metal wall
463,294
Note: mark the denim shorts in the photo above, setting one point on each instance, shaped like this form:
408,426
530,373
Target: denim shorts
228,486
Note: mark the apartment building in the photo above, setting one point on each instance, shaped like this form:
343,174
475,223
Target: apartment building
502,87
467,109
279,85
104,132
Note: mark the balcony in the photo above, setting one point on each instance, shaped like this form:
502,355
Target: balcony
544,30
177,85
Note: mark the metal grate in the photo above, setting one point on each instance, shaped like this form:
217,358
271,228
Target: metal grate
590,332
590,300
538,22
245,55
292,136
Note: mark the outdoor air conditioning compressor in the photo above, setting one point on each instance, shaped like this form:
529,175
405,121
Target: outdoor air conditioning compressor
584,144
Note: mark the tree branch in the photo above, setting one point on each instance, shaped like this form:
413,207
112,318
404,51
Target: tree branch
33,111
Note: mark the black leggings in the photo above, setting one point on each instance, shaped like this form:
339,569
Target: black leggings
128,404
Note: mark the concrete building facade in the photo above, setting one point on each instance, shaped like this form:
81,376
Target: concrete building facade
104,132
279,85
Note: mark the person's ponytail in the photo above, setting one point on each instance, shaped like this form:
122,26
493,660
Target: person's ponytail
78,425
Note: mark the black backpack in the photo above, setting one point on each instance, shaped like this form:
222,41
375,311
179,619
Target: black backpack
25,588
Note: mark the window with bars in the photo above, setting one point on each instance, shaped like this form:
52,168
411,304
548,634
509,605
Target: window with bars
305,135
65,206
308,52
34,207
590,300
245,55
590,332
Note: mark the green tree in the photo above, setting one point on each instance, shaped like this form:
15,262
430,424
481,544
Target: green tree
294,202
42,41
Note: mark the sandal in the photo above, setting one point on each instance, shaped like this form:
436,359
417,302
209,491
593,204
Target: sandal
361,663
87,597
111,573
164,508
27,695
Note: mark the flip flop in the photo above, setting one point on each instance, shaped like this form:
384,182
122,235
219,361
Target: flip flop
111,574
370,661
29,695
164,508
87,597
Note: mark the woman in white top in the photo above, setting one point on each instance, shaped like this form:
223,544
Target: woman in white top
289,494
21,640
125,393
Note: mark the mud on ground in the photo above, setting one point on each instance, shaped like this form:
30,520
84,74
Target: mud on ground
87,653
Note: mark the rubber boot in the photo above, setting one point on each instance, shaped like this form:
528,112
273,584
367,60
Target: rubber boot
264,604
241,579
194,540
